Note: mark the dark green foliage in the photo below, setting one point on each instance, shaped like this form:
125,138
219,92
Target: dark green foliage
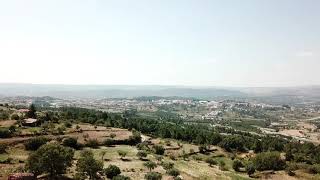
88,165
71,142
173,172
231,143
5,132
3,148
167,165
112,171
142,154
108,142
34,143
237,164
269,161
153,176
250,169
135,138
122,153
203,148
159,149
51,158
67,124
93,143
32,112
211,161
15,117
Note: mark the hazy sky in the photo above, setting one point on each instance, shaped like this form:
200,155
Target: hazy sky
163,42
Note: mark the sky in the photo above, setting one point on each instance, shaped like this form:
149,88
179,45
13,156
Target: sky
245,43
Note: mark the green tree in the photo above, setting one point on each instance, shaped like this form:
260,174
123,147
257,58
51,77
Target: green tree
51,158
32,112
112,171
150,165
88,165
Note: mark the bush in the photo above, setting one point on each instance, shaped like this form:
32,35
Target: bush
108,142
150,165
269,161
222,166
35,143
122,153
93,143
167,165
159,149
15,117
237,164
153,176
250,169
173,172
112,171
67,124
5,133
142,154
211,161
71,142
3,148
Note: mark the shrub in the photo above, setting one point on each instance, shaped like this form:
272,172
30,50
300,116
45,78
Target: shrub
150,165
142,154
167,165
153,176
67,124
159,149
71,142
237,164
3,148
222,166
122,153
15,117
93,143
5,133
108,142
211,161
250,169
112,171
173,172
269,161
35,143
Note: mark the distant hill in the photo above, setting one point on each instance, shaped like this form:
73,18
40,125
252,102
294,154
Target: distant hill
95,91
276,95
